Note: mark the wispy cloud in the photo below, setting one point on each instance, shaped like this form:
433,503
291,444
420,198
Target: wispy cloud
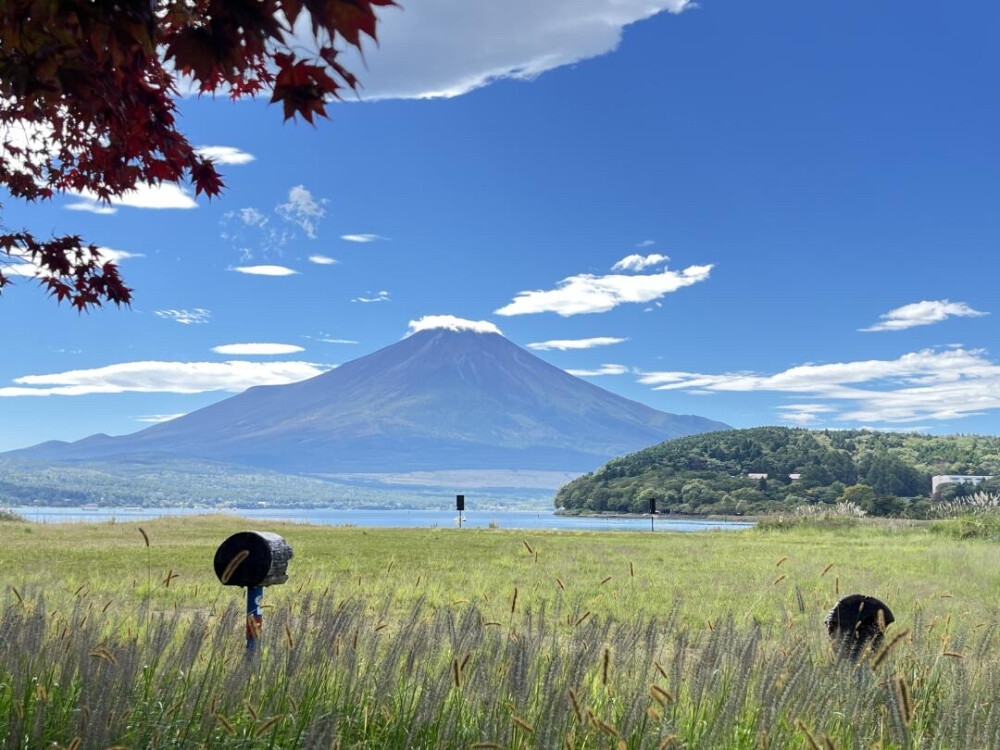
569,344
923,314
245,350
252,233
382,296
602,370
587,293
362,237
265,270
250,216
927,384
638,262
225,154
645,243
158,418
338,341
185,317
323,260
451,323
303,210
162,377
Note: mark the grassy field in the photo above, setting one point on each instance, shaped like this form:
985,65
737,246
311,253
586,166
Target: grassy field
397,638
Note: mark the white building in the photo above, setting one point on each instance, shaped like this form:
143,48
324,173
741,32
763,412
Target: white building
955,479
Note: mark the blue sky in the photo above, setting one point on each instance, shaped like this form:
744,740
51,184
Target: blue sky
823,179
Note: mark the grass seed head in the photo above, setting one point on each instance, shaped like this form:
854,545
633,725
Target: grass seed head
576,705
522,724
809,738
904,703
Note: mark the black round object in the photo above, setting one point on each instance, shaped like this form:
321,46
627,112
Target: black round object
855,621
264,565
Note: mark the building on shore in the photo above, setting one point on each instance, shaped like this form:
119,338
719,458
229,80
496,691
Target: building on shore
941,479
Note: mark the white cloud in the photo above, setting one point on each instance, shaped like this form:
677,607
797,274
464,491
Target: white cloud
638,262
568,344
166,195
245,350
225,154
803,414
323,260
158,418
265,270
249,216
29,268
927,384
587,293
382,296
20,269
645,243
442,48
362,237
162,377
91,206
185,317
922,314
303,210
338,341
603,370
451,323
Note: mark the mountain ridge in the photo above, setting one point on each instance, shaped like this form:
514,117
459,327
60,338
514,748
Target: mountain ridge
437,400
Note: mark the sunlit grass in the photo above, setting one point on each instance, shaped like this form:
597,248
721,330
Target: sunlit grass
444,637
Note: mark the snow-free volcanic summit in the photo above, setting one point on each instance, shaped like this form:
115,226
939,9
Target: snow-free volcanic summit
459,396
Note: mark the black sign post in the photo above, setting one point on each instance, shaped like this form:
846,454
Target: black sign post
857,624
652,513
460,506
253,560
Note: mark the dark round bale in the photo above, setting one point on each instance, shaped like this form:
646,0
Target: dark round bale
253,558
858,621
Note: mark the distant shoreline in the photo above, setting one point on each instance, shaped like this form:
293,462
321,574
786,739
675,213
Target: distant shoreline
658,516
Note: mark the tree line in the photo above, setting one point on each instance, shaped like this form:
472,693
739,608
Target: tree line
769,469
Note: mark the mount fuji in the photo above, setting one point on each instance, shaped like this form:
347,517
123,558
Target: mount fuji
441,399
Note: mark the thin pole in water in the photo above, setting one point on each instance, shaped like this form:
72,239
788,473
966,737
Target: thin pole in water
255,617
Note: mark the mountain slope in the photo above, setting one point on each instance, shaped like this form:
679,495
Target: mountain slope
437,400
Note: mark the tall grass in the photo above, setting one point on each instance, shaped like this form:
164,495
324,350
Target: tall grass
975,516
336,670
494,639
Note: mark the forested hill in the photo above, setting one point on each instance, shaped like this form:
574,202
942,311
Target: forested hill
884,473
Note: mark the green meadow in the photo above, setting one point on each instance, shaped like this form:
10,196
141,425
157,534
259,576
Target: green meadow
494,638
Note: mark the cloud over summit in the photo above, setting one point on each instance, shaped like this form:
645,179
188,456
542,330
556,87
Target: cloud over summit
451,323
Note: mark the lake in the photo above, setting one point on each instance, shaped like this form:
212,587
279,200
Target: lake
538,520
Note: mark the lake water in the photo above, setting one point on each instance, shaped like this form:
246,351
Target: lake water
539,520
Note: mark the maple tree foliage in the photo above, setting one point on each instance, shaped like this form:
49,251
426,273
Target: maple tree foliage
87,102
